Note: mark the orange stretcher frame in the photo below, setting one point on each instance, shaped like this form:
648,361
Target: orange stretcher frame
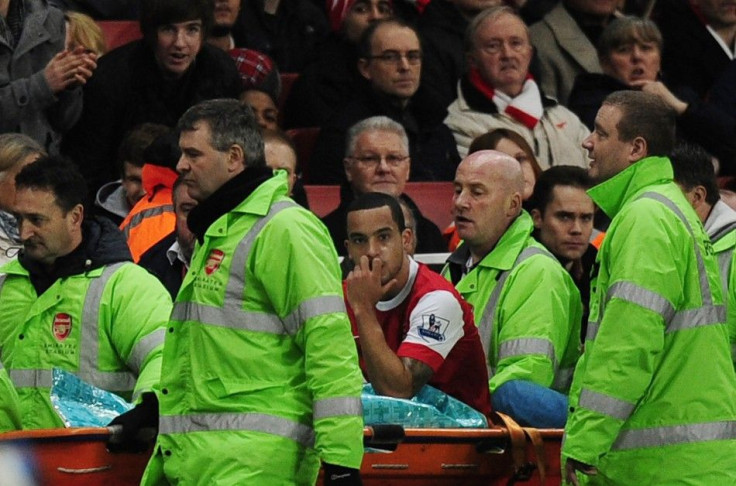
416,457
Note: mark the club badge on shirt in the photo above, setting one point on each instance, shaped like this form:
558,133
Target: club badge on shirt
433,327
62,326
213,261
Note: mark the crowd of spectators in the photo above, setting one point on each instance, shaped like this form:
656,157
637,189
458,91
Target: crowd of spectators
501,97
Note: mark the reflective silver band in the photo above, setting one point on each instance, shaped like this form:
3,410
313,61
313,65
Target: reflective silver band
563,379
676,434
642,297
146,213
89,347
526,346
31,378
228,316
592,331
724,265
705,289
250,422
334,407
702,316
310,308
3,276
143,348
605,404
485,327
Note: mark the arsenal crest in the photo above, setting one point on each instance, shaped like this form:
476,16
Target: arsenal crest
62,326
213,261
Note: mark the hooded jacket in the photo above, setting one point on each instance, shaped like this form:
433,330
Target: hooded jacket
94,313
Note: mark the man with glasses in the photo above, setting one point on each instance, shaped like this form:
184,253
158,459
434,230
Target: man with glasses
377,160
499,92
390,61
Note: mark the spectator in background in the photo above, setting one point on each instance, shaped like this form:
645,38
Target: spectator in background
565,41
723,93
224,19
82,30
630,53
699,41
526,305
498,93
693,171
152,217
442,29
390,61
40,81
410,325
330,80
154,79
377,160
281,155
288,31
563,222
264,108
169,259
114,200
16,151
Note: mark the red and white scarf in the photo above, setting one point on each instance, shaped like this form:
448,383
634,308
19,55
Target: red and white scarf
526,107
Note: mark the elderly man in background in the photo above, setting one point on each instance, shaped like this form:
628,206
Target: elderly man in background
498,92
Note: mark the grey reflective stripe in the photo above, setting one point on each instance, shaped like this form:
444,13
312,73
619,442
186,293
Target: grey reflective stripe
724,265
563,378
642,297
605,404
251,422
314,307
592,330
702,316
146,213
3,276
525,346
143,348
334,407
485,327
676,434
89,347
702,274
31,378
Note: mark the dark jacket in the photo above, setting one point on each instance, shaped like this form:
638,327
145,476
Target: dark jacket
723,93
691,56
325,85
442,29
290,37
128,89
102,244
432,148
702,123
156,262
429,237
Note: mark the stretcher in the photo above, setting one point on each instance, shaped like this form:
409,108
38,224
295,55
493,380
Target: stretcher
498,456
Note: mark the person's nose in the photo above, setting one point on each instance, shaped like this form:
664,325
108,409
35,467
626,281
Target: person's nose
25,230
577,227
182,165
374,248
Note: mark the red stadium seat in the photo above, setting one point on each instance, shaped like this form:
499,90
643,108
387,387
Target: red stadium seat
323,199
287,82
304,140
434,200
119,32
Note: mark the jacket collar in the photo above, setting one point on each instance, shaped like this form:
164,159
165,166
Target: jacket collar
721,220
612,194
155,176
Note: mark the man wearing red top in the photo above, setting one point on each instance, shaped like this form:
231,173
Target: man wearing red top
410,325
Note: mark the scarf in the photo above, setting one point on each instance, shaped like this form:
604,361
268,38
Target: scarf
526,107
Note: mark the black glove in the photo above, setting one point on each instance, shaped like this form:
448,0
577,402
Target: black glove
138,427
341,476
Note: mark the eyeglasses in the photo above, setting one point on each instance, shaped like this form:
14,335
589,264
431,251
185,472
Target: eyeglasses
494,47
373,161
394,57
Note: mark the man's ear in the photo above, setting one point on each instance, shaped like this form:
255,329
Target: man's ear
639,150
698,195
363,68
76,215
514,205
406,236
536,217
346,165
235,158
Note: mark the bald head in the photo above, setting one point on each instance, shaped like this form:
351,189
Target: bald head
488,189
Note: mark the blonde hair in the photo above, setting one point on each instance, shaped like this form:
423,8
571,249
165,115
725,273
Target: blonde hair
15,148
84,31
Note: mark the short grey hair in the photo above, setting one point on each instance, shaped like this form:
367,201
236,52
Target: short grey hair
493,13
375,124
15,148
230,124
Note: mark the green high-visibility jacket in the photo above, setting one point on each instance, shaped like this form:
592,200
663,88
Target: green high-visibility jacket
721,228
526,306
260,376
105,325
9,404
654,395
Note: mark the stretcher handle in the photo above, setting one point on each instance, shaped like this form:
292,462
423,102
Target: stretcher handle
146,434
384,434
